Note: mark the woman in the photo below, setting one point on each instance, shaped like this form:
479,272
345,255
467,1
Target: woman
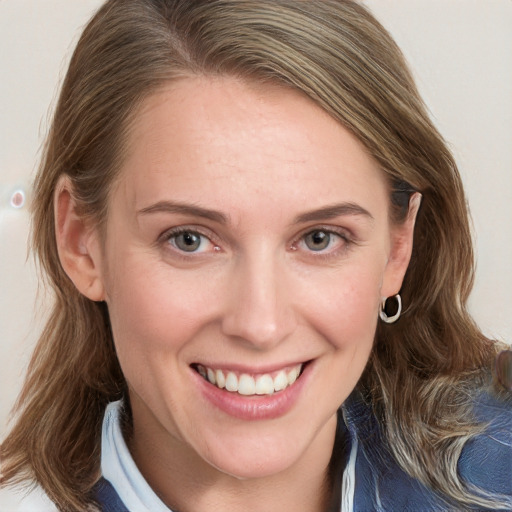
242,196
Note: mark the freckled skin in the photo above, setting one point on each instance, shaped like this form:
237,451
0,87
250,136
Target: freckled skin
255,293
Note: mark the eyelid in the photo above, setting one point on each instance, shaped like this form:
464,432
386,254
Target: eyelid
336,230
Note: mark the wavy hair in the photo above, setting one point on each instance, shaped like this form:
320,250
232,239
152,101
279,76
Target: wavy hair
336,53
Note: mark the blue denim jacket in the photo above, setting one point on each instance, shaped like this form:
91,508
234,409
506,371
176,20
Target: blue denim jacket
381,485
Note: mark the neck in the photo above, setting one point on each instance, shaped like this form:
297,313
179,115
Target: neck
187,483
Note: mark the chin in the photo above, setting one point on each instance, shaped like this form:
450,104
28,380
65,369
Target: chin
263,463
267,448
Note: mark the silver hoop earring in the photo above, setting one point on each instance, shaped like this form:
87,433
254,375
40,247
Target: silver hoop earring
382,313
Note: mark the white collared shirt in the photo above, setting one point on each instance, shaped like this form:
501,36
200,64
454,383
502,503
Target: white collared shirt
120,470
118,467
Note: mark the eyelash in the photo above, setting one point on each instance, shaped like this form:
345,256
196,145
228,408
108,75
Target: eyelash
346,241
173,233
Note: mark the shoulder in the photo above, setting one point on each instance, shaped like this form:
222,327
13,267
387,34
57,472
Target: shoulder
25,499
493,407
486,459
484,464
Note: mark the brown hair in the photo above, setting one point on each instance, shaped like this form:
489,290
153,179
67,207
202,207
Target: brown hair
335,52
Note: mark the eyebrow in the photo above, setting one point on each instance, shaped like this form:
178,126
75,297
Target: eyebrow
333,211
325,213
185,209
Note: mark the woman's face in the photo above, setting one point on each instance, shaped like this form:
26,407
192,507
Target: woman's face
248,241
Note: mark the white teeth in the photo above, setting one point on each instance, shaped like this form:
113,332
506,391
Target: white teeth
248,385
280,381
221,380
231,382
264,385
292,376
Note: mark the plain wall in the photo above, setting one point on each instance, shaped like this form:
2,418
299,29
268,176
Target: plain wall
460,52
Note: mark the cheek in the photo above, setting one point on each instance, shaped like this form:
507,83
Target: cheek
345,309
153,310
155,319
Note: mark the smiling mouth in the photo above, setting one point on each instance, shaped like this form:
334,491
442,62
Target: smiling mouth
251,385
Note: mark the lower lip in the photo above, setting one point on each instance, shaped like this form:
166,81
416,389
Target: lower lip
257,407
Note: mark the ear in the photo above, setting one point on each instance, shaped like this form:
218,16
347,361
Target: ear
402,237
78,244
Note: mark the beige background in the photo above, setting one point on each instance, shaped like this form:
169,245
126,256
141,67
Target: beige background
460,52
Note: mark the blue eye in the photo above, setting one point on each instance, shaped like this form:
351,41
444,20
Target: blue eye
188,241
318,240
321,239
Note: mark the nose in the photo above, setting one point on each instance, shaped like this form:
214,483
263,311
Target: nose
259,312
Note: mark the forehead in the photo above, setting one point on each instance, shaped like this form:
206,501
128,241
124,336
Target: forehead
213,138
